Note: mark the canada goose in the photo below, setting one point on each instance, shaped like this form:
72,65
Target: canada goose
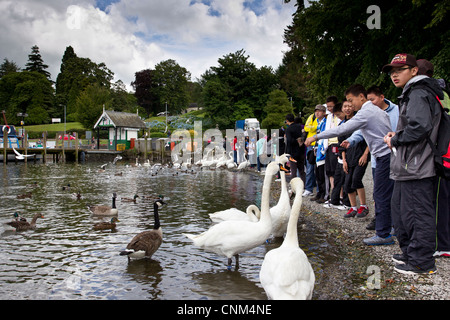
130,199
286,272
106,225
146,243
105,210
24,225
232,237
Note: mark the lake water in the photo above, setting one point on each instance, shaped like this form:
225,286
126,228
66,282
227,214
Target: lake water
64,258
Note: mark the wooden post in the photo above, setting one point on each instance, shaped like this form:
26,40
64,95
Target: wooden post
5,145
45,147
25,146
76,147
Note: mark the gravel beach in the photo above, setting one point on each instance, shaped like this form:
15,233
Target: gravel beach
375,262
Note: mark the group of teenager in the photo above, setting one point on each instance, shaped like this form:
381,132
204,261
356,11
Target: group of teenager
411,201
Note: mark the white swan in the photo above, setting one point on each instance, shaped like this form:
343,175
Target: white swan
232,237
243,165
286,273
252,213
281,211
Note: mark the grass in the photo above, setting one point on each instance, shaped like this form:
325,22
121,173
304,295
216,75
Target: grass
54,127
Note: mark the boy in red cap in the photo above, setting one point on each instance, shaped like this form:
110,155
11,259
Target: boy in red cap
412,165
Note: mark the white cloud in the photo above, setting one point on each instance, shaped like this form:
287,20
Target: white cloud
131,35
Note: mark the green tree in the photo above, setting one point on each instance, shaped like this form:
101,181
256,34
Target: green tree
90,104
336,48
144,87
76,74
8,67
172,82
35,62
26,92
277,107
237,83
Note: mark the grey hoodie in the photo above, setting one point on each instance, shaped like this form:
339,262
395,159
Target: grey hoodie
374,124
419,117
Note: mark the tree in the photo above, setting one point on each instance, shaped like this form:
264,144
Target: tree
8,67
235,83
336,48
277,107
35,62
144,87
172,85
76,74
90,104
26,92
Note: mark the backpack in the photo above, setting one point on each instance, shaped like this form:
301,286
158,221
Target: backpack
441,148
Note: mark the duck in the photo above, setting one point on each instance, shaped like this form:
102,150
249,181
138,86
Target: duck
66,188
24,225
17,217
146,243
252,213
106,225
102,210
25,195
130,199
286,273
232,237
76,195
281,211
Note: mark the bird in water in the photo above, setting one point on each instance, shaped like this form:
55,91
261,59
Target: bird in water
24,225
111,225
105,210
146,243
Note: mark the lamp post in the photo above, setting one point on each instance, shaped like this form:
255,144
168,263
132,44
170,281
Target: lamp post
23,115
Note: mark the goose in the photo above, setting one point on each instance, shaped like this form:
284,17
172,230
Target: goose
281,211
130,199
24,225
146,243
105,210
232,237
106,225
252,213
286,272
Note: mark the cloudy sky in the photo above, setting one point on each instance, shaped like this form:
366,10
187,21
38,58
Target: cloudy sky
132,35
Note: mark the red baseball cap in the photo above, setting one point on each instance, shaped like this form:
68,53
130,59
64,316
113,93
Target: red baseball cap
400,60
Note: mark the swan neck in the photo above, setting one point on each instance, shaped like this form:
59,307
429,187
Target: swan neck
291,238
265,203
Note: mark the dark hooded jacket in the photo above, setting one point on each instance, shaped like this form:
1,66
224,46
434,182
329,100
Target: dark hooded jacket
419,117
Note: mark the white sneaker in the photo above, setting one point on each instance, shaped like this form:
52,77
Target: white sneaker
306,193
339,207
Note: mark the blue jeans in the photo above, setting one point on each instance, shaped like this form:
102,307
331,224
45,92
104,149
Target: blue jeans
382,193
310,176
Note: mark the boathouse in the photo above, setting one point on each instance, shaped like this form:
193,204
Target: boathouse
123,129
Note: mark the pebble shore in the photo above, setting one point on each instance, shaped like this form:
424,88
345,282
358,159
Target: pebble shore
350,232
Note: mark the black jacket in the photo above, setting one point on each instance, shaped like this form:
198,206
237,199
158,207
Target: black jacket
293,132
419,117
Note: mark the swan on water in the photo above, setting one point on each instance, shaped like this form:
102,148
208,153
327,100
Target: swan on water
232,237
286,273
252,213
